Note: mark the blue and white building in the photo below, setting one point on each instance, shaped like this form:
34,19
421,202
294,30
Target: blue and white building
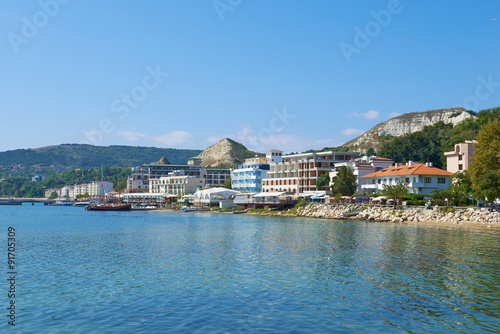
248,176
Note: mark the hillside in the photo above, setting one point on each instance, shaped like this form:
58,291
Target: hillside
88,156
434,140
226,152
404,124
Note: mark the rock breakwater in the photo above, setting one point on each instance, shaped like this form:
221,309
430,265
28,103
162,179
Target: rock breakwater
473,216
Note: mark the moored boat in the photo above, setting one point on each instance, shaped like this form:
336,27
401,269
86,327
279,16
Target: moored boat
239,211
108,207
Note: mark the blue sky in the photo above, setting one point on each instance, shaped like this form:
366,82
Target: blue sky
290,75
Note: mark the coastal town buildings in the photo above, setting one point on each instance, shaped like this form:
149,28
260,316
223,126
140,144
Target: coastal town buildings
421,178
361,167
248,176
138,181
458,159
299,173
93,189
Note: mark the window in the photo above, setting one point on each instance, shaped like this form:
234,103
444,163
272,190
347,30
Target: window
427,180
407,179
441,180
460,167
379,180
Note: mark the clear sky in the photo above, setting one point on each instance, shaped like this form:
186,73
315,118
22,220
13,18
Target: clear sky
284,74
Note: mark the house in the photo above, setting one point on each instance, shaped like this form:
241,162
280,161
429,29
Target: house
299,173
361,167
248,176
421,178
214,196
458,159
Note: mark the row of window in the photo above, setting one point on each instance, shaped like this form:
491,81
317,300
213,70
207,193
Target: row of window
427,179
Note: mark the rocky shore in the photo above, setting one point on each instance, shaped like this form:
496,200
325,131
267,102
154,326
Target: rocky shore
435,215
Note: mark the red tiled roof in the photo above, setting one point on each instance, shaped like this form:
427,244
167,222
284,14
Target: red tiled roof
416,169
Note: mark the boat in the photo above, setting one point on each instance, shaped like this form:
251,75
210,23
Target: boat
194,209
63,203
239,211
108,207
103,206
144,206
350,213
84,204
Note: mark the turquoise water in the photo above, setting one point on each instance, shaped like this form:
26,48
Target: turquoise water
161,272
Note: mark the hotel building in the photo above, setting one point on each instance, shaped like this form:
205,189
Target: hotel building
299,173
248,176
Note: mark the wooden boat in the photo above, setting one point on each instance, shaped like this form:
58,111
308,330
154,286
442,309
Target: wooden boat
108,207
103,206
236,212
350,213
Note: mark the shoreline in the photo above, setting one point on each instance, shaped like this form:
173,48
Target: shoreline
442,221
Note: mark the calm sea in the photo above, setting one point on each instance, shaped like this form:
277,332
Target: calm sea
162,272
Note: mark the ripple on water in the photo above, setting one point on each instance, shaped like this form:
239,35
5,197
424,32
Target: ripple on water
147,272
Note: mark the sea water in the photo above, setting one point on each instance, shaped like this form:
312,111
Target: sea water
167,272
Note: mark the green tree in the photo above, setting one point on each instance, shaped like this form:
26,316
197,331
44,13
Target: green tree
344,182
323,181
485,165
395,191
370,152
227,184
53,195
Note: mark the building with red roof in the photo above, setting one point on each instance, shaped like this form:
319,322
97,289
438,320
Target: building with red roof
421,178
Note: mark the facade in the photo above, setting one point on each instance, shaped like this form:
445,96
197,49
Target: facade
216,177
213,196
361,167
248,176
175,184
421,178
139,180
458,160
299,173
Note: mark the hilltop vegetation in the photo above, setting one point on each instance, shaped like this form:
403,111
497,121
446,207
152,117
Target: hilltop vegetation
434,140
88,156
21,186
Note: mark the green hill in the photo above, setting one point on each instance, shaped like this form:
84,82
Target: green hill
88,156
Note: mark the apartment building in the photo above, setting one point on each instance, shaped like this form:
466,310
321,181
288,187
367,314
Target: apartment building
458,159
299,173
175,184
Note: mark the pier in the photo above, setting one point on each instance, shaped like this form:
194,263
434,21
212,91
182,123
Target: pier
20,201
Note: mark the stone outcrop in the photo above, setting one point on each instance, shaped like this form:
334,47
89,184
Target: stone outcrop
163,161
403,124
388,214
225,153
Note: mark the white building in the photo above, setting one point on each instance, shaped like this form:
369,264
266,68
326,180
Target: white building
421,178
213,196
175,184
248,176
299,173
361,167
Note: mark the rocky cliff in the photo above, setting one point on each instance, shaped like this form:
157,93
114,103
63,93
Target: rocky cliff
225,153
403,124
